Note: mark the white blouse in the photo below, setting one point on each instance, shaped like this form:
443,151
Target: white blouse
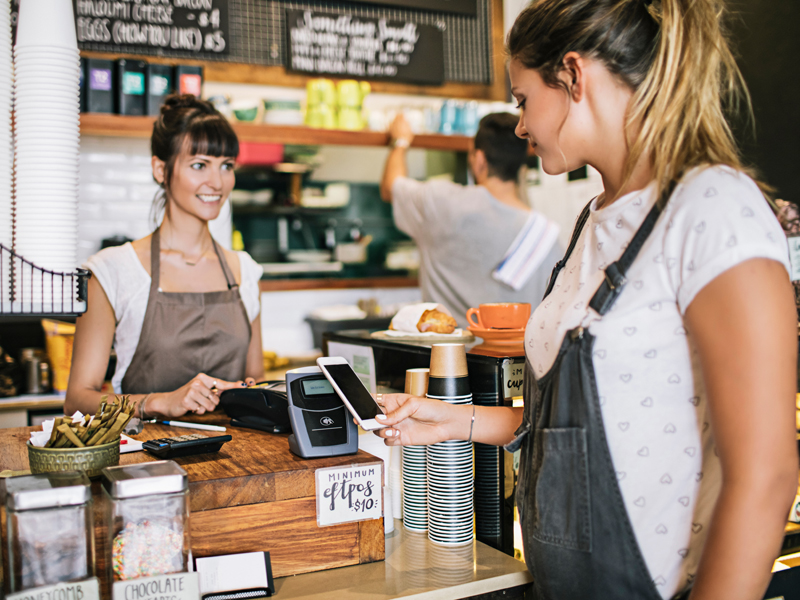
126,284
649,381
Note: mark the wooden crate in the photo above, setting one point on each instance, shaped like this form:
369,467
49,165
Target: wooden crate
253,495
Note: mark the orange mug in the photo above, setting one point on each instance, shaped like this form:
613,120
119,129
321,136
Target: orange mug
500,315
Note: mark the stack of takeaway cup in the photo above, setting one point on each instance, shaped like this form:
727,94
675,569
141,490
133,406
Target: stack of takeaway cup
451,514
415,465
47,110
6,158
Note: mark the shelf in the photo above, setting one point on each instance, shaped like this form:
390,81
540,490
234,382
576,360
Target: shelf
331,283
142,127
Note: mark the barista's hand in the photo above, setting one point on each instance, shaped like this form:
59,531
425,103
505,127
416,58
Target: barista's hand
199,396
400,129
417,421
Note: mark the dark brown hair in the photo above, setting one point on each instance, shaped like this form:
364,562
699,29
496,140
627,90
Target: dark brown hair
187,118
505,152
673,54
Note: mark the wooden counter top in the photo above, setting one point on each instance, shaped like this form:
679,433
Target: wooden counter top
253,495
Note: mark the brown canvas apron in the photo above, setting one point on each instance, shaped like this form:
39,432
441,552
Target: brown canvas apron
186,333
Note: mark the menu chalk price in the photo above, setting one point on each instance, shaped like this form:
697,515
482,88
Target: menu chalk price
347,494
88,589
175,586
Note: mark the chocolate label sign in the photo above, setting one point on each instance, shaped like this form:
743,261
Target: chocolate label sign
347,494
176,586
176,25
88,589
345,45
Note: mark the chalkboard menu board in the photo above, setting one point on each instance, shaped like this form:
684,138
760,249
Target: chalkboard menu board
458,7
183,27
347,46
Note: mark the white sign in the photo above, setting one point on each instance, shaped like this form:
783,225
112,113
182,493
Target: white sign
794,256
77,590
176,586
513,375
347,494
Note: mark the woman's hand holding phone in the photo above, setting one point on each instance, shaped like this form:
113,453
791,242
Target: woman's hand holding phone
414,421
200,395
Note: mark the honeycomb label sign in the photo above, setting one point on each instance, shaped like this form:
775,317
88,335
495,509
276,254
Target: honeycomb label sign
89,589
176,26
346,45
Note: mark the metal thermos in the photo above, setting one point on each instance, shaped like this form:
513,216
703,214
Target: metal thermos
37,371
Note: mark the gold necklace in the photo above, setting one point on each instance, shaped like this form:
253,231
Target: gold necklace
183,256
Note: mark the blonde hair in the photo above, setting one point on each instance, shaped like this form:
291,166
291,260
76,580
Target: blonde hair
673,54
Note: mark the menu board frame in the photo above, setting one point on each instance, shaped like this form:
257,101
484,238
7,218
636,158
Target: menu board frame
458,7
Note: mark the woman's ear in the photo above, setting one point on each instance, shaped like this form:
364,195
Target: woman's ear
158,170
574,75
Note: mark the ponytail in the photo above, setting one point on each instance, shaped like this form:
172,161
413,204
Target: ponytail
673,54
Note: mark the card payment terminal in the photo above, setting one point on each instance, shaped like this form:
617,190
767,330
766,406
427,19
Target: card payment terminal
321,423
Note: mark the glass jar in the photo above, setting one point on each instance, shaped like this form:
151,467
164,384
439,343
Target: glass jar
50,529
148,519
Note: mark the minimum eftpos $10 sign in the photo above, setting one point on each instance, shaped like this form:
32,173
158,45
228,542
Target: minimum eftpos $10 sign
347,494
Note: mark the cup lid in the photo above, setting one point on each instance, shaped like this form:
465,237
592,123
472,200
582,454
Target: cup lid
147,479
47,490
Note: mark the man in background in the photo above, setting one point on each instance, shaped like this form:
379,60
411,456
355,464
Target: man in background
478,243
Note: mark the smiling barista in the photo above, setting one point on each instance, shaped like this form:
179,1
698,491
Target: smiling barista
181,311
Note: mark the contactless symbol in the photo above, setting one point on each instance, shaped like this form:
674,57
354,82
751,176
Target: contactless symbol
326,421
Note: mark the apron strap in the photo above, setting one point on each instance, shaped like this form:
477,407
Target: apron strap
615,280
226,270
576,233
155,261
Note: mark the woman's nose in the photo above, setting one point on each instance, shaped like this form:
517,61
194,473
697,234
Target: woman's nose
520,129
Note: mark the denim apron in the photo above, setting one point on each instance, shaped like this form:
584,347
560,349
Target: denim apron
578,539
186,333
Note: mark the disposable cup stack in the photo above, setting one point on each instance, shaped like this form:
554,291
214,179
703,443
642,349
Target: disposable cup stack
47,110
6,155
451,464
415,465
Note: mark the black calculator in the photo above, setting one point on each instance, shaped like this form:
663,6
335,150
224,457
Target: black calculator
185,445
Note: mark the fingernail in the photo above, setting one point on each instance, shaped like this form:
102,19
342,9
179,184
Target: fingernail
381,417
390,433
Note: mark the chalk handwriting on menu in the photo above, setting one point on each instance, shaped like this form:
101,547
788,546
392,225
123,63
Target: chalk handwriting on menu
345,45
346,494
176,25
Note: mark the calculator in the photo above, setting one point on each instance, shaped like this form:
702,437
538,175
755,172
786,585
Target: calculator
185,445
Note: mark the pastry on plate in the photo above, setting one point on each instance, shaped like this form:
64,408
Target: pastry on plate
427,317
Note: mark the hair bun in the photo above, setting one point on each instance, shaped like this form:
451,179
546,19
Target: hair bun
178,101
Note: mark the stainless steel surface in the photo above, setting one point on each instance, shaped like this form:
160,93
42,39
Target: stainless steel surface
132,481
48,490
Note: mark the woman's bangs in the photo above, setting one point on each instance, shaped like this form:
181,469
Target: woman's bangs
213,137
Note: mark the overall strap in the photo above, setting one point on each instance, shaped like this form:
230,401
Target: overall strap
155,260
615,280
226,270
576,233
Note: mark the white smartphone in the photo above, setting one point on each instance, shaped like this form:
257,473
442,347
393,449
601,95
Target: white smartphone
349,388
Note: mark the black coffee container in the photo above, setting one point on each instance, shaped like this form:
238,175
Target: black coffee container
131,87
97,86
189,80
160,84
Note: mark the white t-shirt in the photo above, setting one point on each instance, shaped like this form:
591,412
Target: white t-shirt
127,286
649,380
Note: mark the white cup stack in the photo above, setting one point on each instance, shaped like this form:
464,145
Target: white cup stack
47,110
6,156
415,465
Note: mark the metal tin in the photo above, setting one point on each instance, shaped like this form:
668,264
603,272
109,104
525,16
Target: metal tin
47,490
147,479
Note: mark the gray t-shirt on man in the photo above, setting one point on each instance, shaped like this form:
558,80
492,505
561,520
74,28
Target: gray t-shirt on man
463,232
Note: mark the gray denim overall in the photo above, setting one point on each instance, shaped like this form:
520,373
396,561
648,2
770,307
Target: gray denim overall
578,539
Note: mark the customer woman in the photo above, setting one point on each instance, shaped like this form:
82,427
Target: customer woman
658,442
181,311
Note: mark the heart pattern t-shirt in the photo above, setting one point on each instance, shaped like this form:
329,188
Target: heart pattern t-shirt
648,376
